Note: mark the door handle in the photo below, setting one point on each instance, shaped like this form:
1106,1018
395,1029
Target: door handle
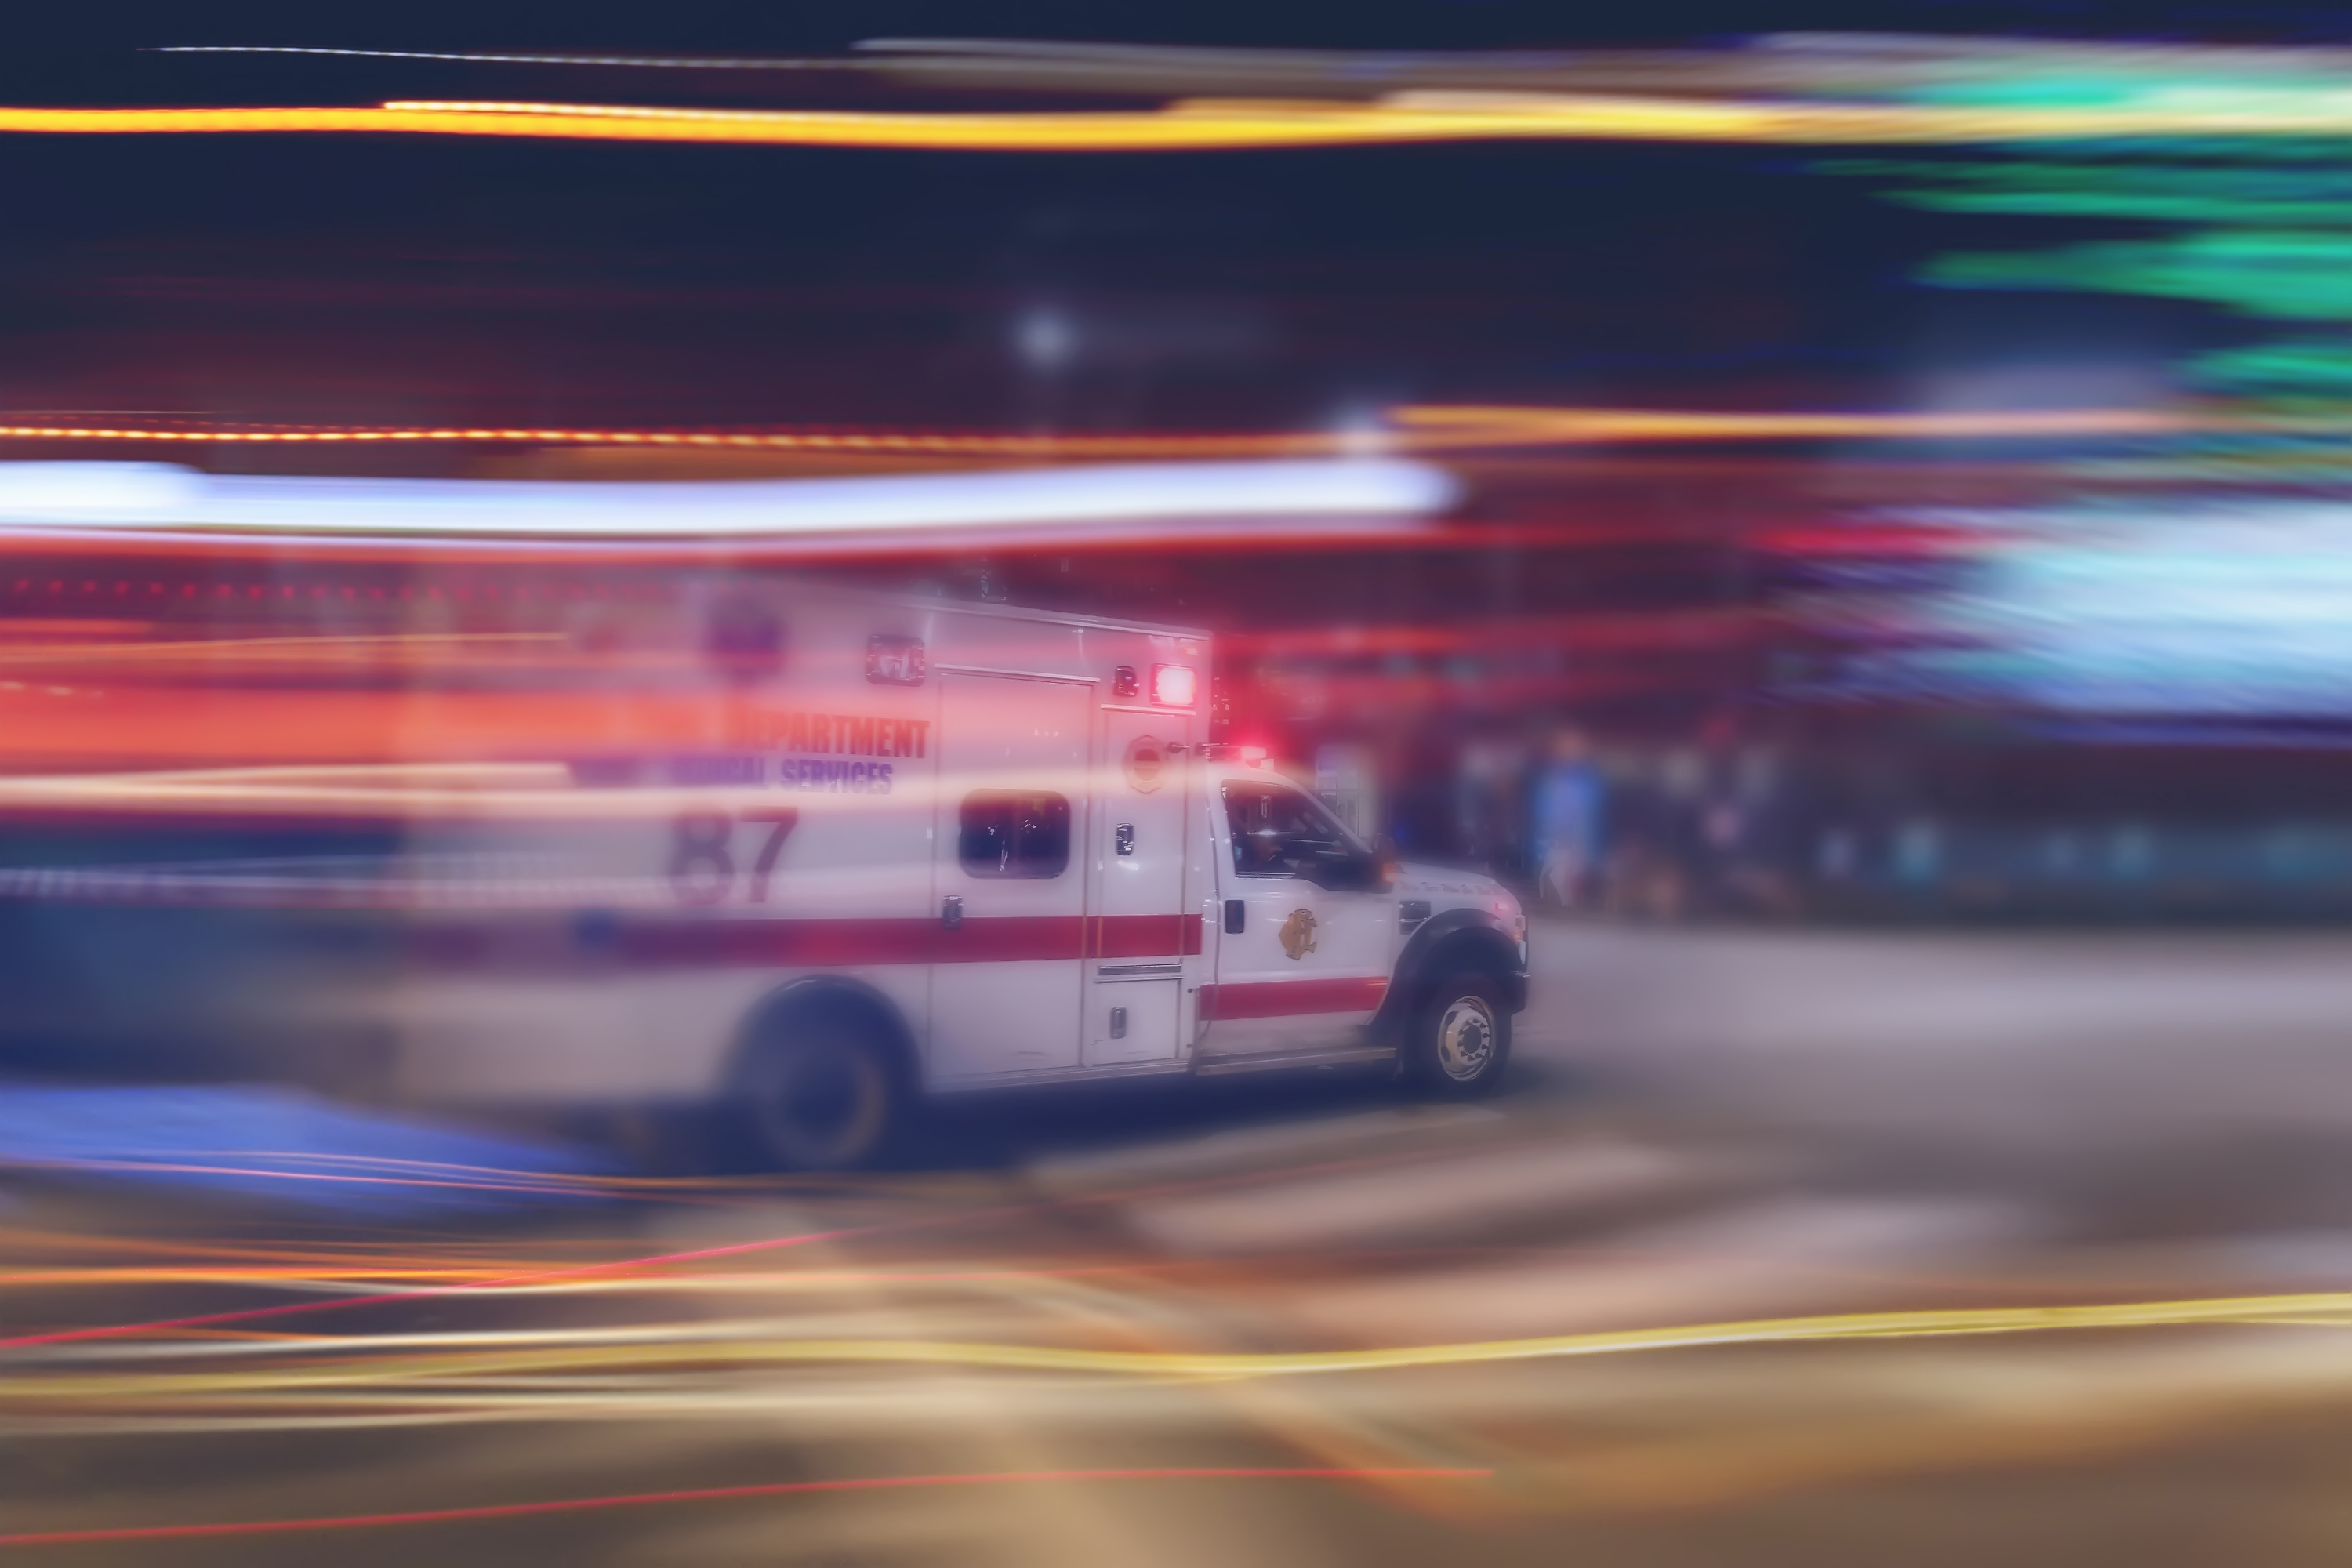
1236,916
952,912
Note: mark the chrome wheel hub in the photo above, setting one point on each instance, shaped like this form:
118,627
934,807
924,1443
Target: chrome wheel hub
1465,1038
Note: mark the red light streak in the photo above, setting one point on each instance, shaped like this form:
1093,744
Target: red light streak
253,1314
732,1249
776,1489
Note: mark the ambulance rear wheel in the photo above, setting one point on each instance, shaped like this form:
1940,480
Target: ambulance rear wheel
824,1092
1461,1040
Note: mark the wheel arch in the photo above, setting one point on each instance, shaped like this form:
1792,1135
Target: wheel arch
821,995
1444,944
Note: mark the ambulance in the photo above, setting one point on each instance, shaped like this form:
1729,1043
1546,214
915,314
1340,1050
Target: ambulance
813,854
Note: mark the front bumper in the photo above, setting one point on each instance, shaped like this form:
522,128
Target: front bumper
1515,992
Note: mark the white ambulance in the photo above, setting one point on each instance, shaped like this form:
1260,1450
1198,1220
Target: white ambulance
815,853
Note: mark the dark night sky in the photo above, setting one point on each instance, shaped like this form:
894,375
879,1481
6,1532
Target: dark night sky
1446,24
351,279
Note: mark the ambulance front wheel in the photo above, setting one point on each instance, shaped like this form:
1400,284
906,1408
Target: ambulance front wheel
824,1092
1461,1040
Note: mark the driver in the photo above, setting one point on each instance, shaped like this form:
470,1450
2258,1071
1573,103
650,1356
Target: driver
1264,849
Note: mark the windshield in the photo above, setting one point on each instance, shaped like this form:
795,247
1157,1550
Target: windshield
1280,832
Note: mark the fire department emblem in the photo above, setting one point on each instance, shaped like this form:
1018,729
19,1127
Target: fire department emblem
1298,934
1147,764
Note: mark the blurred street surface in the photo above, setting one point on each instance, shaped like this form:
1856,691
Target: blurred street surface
1793,1132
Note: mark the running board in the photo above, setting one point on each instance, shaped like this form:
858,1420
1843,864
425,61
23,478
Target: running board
1338,1056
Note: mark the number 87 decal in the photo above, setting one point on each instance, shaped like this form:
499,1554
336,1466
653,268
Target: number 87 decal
702,865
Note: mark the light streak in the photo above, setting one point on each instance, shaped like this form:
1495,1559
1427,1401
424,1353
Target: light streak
779,1280
340,1270
1651,631
2325,1309
1233,124
1508,426
714,1494
546,1184
1315,493
394,790
1418,427
393,1163
730,1249
319,1279
250,1314
345,1251
291,649
883,442
658,62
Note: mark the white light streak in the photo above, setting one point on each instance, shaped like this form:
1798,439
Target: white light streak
1148,501
651,62
2235,608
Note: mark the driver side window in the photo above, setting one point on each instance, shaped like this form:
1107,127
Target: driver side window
1278,832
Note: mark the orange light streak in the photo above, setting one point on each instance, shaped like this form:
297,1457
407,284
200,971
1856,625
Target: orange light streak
1508,425
1415,427
129,724
251,1314
912,443
698,1255
1231,124
41,1278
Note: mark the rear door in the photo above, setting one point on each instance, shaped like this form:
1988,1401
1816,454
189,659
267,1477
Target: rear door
1300,967
1010,882
1138,929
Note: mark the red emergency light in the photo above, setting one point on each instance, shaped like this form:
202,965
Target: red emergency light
1174,685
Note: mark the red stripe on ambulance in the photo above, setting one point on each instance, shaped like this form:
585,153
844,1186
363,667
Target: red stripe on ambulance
840,943
1292,998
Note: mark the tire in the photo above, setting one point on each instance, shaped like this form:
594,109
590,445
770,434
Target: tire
823,1090
1460,1042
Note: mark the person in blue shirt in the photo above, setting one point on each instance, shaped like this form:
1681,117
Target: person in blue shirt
1569,798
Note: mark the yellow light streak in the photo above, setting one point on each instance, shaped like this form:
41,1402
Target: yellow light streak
525,791
319,1279
1215,124
2330,1309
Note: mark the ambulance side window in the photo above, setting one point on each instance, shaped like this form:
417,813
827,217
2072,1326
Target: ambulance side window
1014,833
1280,832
